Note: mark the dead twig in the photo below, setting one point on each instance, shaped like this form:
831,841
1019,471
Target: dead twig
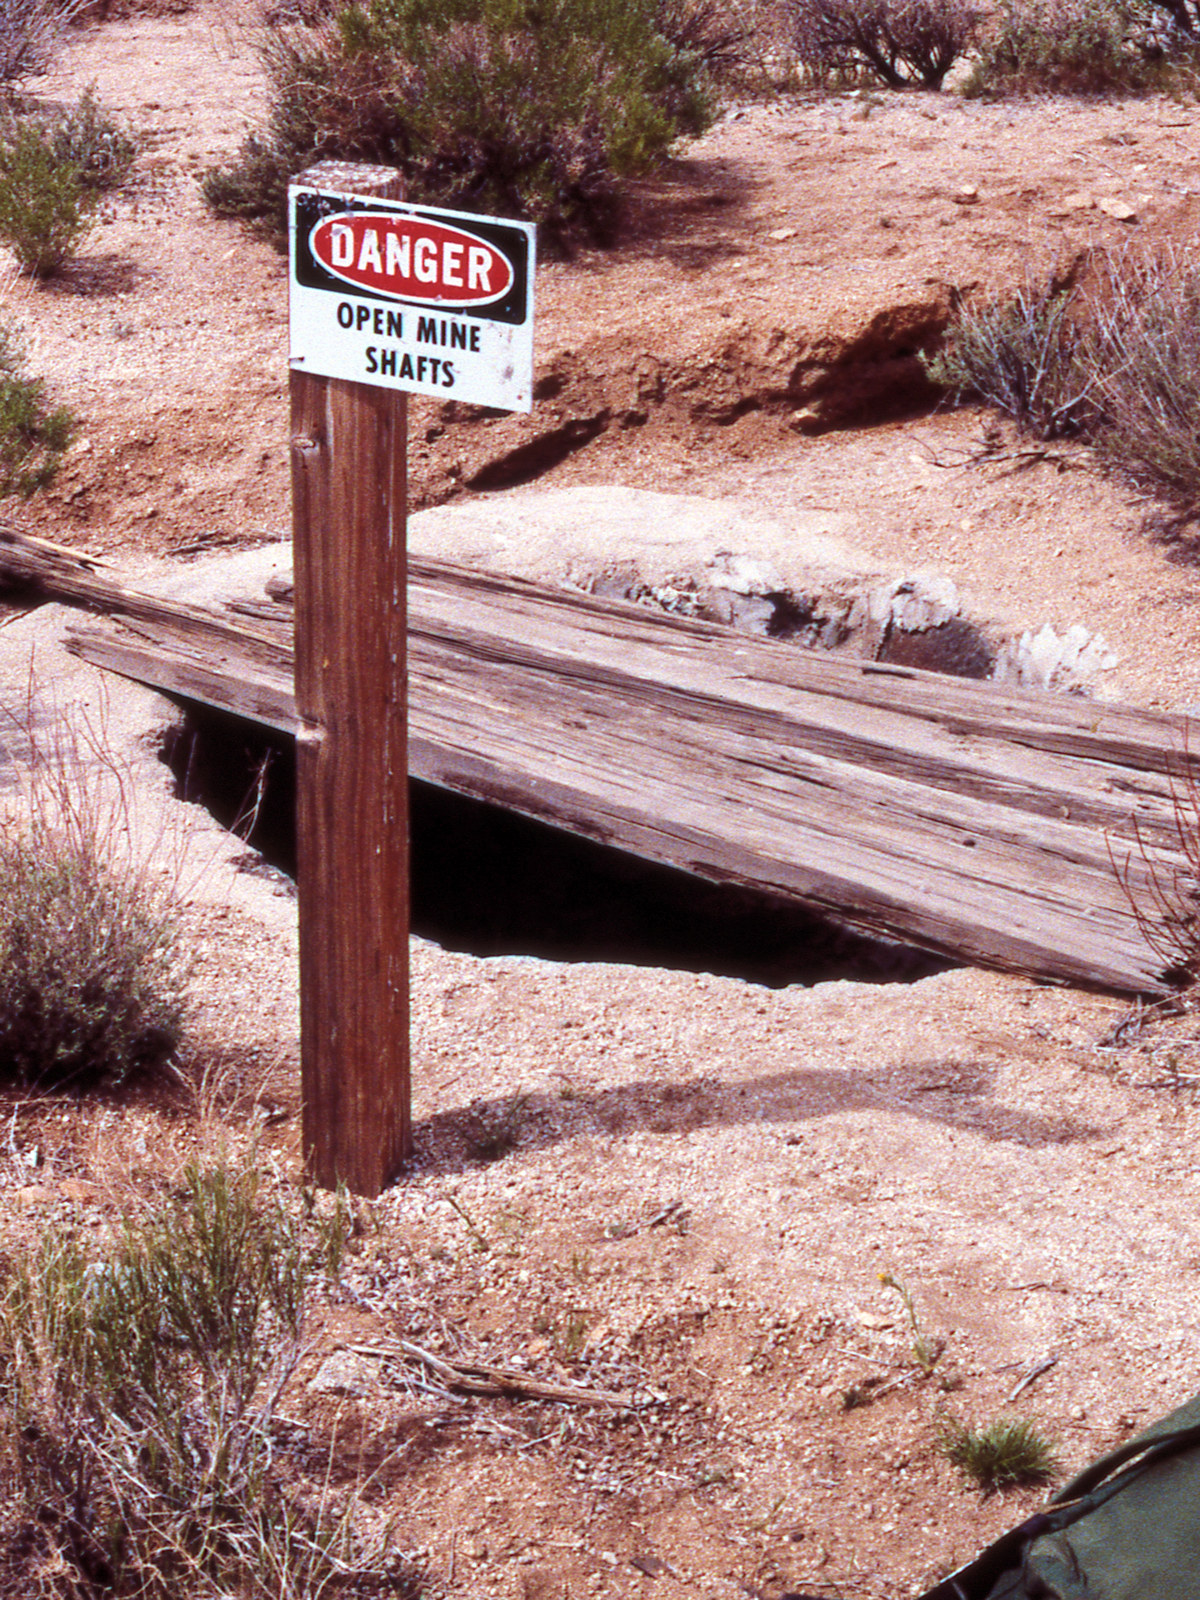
1034,1373
480,1378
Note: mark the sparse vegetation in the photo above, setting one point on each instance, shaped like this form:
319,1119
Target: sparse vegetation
895,42
92,977
33,434
89,137
494,106
1112,358
1001,1454
30,31
926,1351
142,1386
1081,47
1018,352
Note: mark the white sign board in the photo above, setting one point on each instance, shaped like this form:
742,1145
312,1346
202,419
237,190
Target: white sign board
408,297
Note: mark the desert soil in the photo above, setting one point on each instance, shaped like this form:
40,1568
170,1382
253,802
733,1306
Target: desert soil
705,1179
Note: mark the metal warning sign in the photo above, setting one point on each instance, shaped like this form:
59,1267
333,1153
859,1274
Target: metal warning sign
409,297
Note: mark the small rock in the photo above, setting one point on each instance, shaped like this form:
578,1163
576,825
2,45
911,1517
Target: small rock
780,234
34,1194
345,1372
967,196
1118,210
79,1190
1079,202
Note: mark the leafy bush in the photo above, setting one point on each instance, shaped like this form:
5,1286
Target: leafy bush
30,31
1018,352
32,436
1001,1454
142,1386
45,204
501,106
897,42
1072,47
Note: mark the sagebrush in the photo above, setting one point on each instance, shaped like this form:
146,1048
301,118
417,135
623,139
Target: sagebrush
45,205
496,106
93,972
142,1384
1110,355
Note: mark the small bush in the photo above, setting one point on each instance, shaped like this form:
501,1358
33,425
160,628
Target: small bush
1001,1454
93,140
1018,352
897,42
141,1386
92,980
33,436
30,31
1070,47
1142,356
45,204
487,105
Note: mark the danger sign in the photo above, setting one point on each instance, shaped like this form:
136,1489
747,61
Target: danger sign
405,297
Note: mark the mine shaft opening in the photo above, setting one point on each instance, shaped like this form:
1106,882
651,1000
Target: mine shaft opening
490,882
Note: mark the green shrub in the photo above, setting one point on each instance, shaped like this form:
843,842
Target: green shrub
896,42
93,140
526,109
1019,353
142,1385
33,437
1001,1454
1068,47
45,204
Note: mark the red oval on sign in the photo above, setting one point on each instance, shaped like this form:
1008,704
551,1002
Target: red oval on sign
411,258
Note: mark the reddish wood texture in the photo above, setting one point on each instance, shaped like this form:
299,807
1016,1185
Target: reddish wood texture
348,493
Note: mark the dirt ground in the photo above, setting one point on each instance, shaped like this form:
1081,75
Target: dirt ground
696,1183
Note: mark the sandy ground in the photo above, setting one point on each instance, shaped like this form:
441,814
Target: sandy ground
704,1178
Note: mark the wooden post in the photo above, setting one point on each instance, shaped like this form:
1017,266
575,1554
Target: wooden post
348,505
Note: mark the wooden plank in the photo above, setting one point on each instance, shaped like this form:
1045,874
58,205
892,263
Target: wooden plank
961,816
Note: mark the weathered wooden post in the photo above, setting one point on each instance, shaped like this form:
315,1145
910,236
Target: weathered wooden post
385,298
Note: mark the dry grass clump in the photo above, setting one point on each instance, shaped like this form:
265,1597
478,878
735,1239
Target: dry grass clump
92,971
1112,358
30,33
141,1385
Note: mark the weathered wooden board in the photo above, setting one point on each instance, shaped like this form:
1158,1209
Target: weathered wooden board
991,825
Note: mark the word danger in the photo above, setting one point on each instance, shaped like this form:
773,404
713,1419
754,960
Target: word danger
407,258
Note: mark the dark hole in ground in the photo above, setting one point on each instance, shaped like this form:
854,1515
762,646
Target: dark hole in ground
490,882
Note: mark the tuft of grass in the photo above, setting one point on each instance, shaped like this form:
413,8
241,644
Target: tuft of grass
33,434
1000,1454
143,1384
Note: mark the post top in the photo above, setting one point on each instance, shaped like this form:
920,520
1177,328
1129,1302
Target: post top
354,177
